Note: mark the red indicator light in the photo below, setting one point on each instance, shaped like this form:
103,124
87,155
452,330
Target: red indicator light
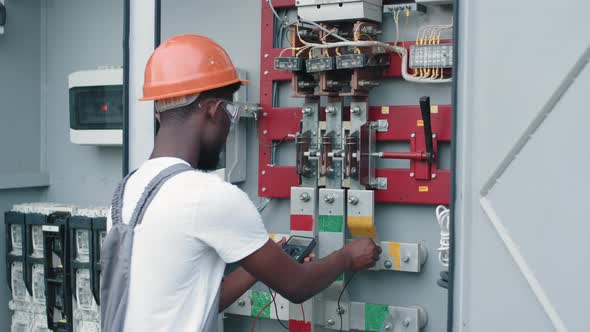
105,108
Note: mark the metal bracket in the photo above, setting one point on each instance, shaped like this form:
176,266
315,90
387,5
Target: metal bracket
332,315
402,319
377,317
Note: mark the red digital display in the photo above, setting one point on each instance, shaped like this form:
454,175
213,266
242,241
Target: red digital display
105,108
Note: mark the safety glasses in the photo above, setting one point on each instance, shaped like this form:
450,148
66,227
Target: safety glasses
233,110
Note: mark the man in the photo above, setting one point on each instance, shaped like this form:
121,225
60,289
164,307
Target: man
190,224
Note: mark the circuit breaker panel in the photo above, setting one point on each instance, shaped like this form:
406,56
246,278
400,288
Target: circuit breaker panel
334,59
53,266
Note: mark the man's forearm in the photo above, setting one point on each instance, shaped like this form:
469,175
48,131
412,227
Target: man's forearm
233,286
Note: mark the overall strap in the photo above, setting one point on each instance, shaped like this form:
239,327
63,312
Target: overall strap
152,189
117,203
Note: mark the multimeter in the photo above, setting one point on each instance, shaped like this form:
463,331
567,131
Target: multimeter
299,247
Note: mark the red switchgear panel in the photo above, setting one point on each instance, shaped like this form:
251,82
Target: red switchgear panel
428,185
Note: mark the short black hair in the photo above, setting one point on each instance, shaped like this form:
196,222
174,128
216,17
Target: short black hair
181,114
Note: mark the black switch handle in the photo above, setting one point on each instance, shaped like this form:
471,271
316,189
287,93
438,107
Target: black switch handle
425,109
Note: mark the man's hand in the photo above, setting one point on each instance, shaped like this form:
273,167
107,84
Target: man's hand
307,259
362,254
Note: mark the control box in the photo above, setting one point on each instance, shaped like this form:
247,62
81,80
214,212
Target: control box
340,10
96,106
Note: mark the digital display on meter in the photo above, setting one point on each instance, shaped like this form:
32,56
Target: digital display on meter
299,247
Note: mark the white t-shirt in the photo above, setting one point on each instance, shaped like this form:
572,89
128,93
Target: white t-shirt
194,226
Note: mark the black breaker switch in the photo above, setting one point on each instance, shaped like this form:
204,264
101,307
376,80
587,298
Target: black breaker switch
289,63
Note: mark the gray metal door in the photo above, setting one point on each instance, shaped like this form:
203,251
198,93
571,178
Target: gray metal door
522,166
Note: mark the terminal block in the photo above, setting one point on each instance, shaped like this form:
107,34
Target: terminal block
412,7
348,61
431,56
320,64
289,63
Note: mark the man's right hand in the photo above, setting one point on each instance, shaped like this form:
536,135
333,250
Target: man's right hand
299,282
362,254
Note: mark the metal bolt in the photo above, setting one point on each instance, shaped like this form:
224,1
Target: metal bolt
307,110
388,326
413,135
263,190
388,265
356,110
433,135
329,198
304,197
265,114
266,56
263,172
411,175
330,110
433,175
266,72
265,132
331,322
353,200
406,258
406,322
241,303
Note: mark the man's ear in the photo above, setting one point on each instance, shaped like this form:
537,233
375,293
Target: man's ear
212,110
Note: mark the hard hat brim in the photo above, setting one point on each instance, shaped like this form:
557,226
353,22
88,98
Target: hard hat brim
193,91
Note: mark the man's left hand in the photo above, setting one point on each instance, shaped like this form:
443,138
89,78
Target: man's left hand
307,259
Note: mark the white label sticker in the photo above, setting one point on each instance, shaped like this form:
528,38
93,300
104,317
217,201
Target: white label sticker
54,229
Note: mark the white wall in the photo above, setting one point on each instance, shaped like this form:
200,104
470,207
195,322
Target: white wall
20,120
79,35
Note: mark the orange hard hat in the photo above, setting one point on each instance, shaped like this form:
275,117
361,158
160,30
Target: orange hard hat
187,65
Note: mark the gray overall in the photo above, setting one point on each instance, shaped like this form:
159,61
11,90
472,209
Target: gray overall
116,254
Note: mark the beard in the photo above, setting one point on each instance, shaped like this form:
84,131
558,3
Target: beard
209,158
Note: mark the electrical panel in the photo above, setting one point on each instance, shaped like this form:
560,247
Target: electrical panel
53,268
336,55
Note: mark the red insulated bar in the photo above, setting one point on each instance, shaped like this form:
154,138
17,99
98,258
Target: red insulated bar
403,155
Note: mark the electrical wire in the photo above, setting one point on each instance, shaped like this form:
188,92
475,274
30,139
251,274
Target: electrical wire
275,12
340,297
258,315
442,216
277,309
302,311
263,205
396,21
399,50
